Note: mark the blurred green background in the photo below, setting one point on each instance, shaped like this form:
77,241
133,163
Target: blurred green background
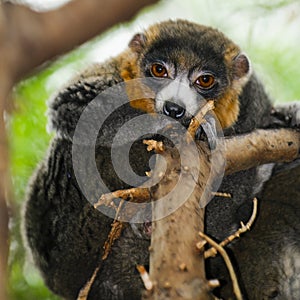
269,32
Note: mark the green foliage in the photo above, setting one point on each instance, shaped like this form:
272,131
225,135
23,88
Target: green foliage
29,141
281,68
27,285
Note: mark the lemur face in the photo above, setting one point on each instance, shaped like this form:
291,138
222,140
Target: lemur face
190,64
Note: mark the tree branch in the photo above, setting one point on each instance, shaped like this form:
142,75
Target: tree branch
221,250
33,38
176,267
261,147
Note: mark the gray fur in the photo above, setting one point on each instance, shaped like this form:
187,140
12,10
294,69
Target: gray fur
62,229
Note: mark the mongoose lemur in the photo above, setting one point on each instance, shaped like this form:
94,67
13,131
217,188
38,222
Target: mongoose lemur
62,229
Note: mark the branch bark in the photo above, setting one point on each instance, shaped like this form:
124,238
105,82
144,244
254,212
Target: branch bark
176,266
27,40
261,147
177,269
31,38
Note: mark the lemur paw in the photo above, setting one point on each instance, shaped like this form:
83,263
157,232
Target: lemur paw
289,113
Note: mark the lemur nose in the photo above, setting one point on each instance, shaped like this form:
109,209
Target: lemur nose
173,110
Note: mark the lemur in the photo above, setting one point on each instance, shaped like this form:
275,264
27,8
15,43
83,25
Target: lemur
62,229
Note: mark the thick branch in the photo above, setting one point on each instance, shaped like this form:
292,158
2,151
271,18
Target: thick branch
176,267
34,38
260,147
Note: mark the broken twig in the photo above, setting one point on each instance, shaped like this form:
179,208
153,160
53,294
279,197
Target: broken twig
213,252
199,119
145,277
221,250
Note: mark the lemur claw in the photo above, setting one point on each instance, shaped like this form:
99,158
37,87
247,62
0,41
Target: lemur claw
208,130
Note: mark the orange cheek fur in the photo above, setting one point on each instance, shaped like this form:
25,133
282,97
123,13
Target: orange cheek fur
227,108
129,72
146,105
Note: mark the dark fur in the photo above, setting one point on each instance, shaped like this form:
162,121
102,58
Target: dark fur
65,233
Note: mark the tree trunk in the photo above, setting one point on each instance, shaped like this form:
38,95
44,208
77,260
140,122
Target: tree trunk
176,266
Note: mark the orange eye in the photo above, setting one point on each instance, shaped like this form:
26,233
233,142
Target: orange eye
159,70
205,81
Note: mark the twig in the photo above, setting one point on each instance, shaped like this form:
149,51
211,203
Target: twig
84,292
214,283
213,252
114,234
133,195
219,194
158,147
199,118
145,277
221,250
137,195
119,209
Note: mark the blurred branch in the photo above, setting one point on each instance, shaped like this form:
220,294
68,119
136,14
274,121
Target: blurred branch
33,38
27,40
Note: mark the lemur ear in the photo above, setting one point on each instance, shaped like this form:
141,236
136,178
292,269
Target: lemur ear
241,67
138,42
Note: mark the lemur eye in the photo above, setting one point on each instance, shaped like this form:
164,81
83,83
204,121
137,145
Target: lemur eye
159,70
205,81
